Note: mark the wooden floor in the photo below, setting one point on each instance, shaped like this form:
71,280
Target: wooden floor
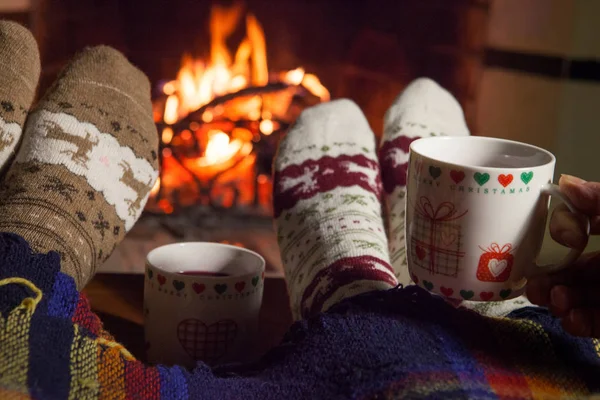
118,300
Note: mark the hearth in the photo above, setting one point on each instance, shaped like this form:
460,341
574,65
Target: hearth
230,77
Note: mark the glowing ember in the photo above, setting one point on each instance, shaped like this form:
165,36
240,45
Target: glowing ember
167,135
219,148
294,77
266,127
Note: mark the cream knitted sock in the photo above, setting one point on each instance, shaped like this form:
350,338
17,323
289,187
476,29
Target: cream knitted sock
327,207
422,109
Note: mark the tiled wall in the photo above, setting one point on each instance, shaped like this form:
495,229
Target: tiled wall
542,81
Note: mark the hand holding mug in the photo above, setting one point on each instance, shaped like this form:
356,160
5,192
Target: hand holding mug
573,294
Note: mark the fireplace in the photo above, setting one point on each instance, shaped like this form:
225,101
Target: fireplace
230,77
220,121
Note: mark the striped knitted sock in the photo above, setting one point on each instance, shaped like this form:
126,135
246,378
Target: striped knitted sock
19,74
327,208
86,165
422,109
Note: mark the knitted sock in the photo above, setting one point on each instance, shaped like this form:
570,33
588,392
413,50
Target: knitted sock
327,208
19,74
423,109
86,165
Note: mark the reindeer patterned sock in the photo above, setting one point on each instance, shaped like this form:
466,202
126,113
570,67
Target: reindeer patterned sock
328,211
422,109
86,165
19,74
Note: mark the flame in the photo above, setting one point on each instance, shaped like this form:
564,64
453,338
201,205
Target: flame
293,77
219,148
256,35
314,85
171,110
199,81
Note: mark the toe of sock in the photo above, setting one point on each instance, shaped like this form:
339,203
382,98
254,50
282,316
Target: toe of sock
424,90
337,118
328,129
101,87
18,46
107,67
425,102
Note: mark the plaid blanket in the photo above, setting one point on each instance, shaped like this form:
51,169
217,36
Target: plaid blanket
401,343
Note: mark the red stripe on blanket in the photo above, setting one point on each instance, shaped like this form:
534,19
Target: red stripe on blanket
84,317
141,382
506,381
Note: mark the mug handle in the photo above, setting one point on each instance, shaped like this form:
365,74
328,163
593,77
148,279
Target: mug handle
551,189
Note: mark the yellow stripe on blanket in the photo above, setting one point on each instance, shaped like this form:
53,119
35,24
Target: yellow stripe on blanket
84,367
14,339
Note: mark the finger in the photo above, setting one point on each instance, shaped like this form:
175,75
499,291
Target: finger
568,229
582,322
538,290
564,299
584,272
585,196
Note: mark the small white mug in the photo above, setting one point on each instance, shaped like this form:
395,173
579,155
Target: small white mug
201,302
476,214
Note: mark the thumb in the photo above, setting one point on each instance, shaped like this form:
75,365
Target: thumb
585,196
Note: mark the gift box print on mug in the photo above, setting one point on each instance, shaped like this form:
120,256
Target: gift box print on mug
495,264
436,237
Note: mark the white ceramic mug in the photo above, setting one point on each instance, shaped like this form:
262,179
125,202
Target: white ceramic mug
476,215
191,315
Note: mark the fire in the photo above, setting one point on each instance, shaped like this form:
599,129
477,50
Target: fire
294,77
220,148
199,82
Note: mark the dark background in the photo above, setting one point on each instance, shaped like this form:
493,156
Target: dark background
365,50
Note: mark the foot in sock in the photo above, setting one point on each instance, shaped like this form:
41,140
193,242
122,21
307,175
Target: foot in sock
19,74
328,210
87,162
423,109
